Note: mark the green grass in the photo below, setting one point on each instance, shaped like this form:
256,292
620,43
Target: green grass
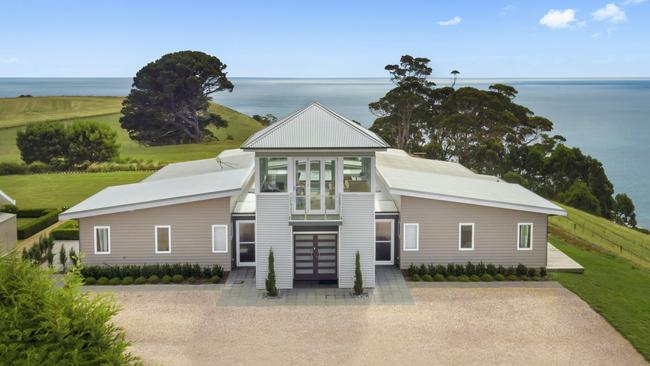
240,126
19,111
22,221
63,189
615,288
580,226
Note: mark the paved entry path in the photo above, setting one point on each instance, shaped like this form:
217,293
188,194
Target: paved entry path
557,261
240,290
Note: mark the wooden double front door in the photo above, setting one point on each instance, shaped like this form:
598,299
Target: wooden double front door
315,256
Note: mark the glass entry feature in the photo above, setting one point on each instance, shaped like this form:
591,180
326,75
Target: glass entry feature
384,243
315,256
315,186
246,243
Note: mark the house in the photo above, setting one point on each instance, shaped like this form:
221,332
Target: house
316,188
8,233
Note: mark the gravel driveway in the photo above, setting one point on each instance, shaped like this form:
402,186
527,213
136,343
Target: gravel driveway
446,326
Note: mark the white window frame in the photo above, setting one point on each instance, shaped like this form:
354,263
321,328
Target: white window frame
95,239
169,238
392,242
226,237
460,236
532,228
417,237
238,242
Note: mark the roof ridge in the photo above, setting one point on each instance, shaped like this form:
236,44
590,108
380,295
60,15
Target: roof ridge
267,130
359,128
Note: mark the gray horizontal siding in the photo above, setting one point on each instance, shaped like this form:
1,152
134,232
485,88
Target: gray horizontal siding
8,233
273,231
357,234
132,234
495,236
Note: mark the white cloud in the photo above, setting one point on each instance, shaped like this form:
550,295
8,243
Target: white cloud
558,19
10,60
453,21
610,13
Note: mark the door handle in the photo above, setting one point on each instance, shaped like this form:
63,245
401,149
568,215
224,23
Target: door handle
315,252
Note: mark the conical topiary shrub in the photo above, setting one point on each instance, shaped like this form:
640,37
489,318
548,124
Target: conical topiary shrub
271,289
358,277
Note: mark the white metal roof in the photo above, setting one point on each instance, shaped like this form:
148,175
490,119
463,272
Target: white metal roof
5,199
5,216
162,192
314,127
227,160
424,178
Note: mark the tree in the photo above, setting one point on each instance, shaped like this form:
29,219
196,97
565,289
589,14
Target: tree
580,197
271,289
405,106
91,142
42,141
624,213
358,276
169,99
265,120
454,74
63,258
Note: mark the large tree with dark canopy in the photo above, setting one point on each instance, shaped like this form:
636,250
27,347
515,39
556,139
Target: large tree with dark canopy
169,99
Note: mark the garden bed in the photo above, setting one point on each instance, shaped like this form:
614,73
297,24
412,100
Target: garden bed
152,274
471,272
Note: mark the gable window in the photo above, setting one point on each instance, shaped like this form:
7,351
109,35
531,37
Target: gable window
357,174
102,239
219,239
411,237
163,238
273,174
466,236
525,236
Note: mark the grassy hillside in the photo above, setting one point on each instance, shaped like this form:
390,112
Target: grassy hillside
588,230
615,288
19,111
240,127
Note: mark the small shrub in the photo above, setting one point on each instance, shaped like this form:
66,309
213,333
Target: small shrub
431,269
422,270
463,278
523,278
480,269
474,278
521,270
532,272
452,278
192,280
358,276
501,270
269,283
542,272
491,269
215,279
512,277
416,278
470,269
128,280
177,278
9,168
499,277
412,270
511,271
114,281
427,278
38,167
102,281
12,209
450,269
536,278
153,279
438,277
486,277
140,281
166,279
74,258
440,269
90,281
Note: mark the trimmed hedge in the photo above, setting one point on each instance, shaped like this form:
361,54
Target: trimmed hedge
69,230
46,217
155,273
474,272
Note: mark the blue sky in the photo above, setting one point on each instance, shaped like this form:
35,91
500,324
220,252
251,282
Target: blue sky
329,38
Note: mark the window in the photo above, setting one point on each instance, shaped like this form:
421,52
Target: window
102,240
384,241
465,236
273,174
411,237
163,238
524,236
219,239
357,174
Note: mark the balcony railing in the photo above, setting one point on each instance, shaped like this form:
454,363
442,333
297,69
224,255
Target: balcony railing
326,214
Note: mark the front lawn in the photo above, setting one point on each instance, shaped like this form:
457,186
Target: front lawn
615,288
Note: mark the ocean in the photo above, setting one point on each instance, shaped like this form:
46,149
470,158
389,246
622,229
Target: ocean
606,118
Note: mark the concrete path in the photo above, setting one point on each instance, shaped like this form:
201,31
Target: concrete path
240,290
557,261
